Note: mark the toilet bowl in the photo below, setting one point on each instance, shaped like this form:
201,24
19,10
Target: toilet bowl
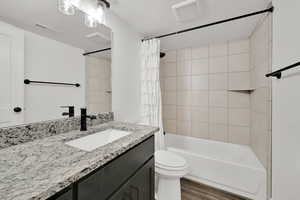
169,168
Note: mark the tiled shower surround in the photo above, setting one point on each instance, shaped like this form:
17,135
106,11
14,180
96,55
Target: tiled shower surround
220,92
205,92
261,97
261,100
98,87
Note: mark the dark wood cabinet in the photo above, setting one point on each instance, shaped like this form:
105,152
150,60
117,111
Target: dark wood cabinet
139,187
65,195
128,177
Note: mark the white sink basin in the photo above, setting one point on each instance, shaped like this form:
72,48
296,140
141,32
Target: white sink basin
92,142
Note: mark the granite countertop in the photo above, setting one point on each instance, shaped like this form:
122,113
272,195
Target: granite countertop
41,168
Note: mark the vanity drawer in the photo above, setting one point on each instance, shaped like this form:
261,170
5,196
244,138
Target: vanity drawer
108,179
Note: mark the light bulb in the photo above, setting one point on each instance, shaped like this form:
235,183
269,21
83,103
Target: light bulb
90,21
100,14
66,7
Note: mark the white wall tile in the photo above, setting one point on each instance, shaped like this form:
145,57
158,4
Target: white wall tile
184,113
260,121
162,84
98,76
200,114
169,126
239,135
169,112
218,81
199,98
239,62
218,64
196,84
183,83
216,50
218,98
200,82
170,84
184,54
183,98
200,52
238,100
218,115
199,66
239,117
259,100
260,78
169,98
184,128
218,132
171,56
184,67
261,63
200,130
169,69
239,80
237,47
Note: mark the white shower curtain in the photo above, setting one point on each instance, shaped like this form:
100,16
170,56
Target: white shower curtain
151,103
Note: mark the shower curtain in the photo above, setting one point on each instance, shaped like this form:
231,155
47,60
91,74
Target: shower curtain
151,103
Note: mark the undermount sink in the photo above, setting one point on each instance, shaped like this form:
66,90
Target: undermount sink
92,142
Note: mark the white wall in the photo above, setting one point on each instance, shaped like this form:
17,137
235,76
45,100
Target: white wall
125,70
49,60
286,101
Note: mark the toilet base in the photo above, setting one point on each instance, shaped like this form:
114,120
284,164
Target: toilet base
169,189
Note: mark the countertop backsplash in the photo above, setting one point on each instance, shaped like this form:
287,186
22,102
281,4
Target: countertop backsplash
10,136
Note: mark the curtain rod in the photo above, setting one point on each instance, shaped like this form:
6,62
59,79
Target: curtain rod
97,51
162,54
271,9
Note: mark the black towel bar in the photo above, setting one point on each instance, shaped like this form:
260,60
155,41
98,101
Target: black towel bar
278,74
27,81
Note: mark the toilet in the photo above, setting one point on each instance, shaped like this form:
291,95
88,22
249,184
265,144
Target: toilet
169,168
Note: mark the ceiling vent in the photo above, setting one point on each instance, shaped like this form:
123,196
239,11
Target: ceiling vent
46,28
187,10
98,38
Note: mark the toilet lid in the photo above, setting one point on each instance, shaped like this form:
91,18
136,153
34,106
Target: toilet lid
169,159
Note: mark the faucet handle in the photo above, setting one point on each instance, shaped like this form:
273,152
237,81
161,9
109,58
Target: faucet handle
71,112
92,117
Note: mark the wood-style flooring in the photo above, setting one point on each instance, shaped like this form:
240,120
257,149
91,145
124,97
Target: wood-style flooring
194,191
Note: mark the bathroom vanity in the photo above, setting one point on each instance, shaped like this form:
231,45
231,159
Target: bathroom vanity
51,169
129,176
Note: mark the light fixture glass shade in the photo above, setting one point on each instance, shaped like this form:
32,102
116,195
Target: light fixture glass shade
90,21
66,7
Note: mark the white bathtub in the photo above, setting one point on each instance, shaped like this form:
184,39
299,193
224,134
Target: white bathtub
229,167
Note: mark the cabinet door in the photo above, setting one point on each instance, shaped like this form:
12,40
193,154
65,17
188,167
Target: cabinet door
140,186
103,183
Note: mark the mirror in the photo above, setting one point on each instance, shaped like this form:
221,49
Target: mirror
49,61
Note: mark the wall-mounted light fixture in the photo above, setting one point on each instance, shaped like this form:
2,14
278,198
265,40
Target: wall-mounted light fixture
66,7
94,10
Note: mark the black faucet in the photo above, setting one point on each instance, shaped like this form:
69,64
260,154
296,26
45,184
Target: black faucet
71,112
83,117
